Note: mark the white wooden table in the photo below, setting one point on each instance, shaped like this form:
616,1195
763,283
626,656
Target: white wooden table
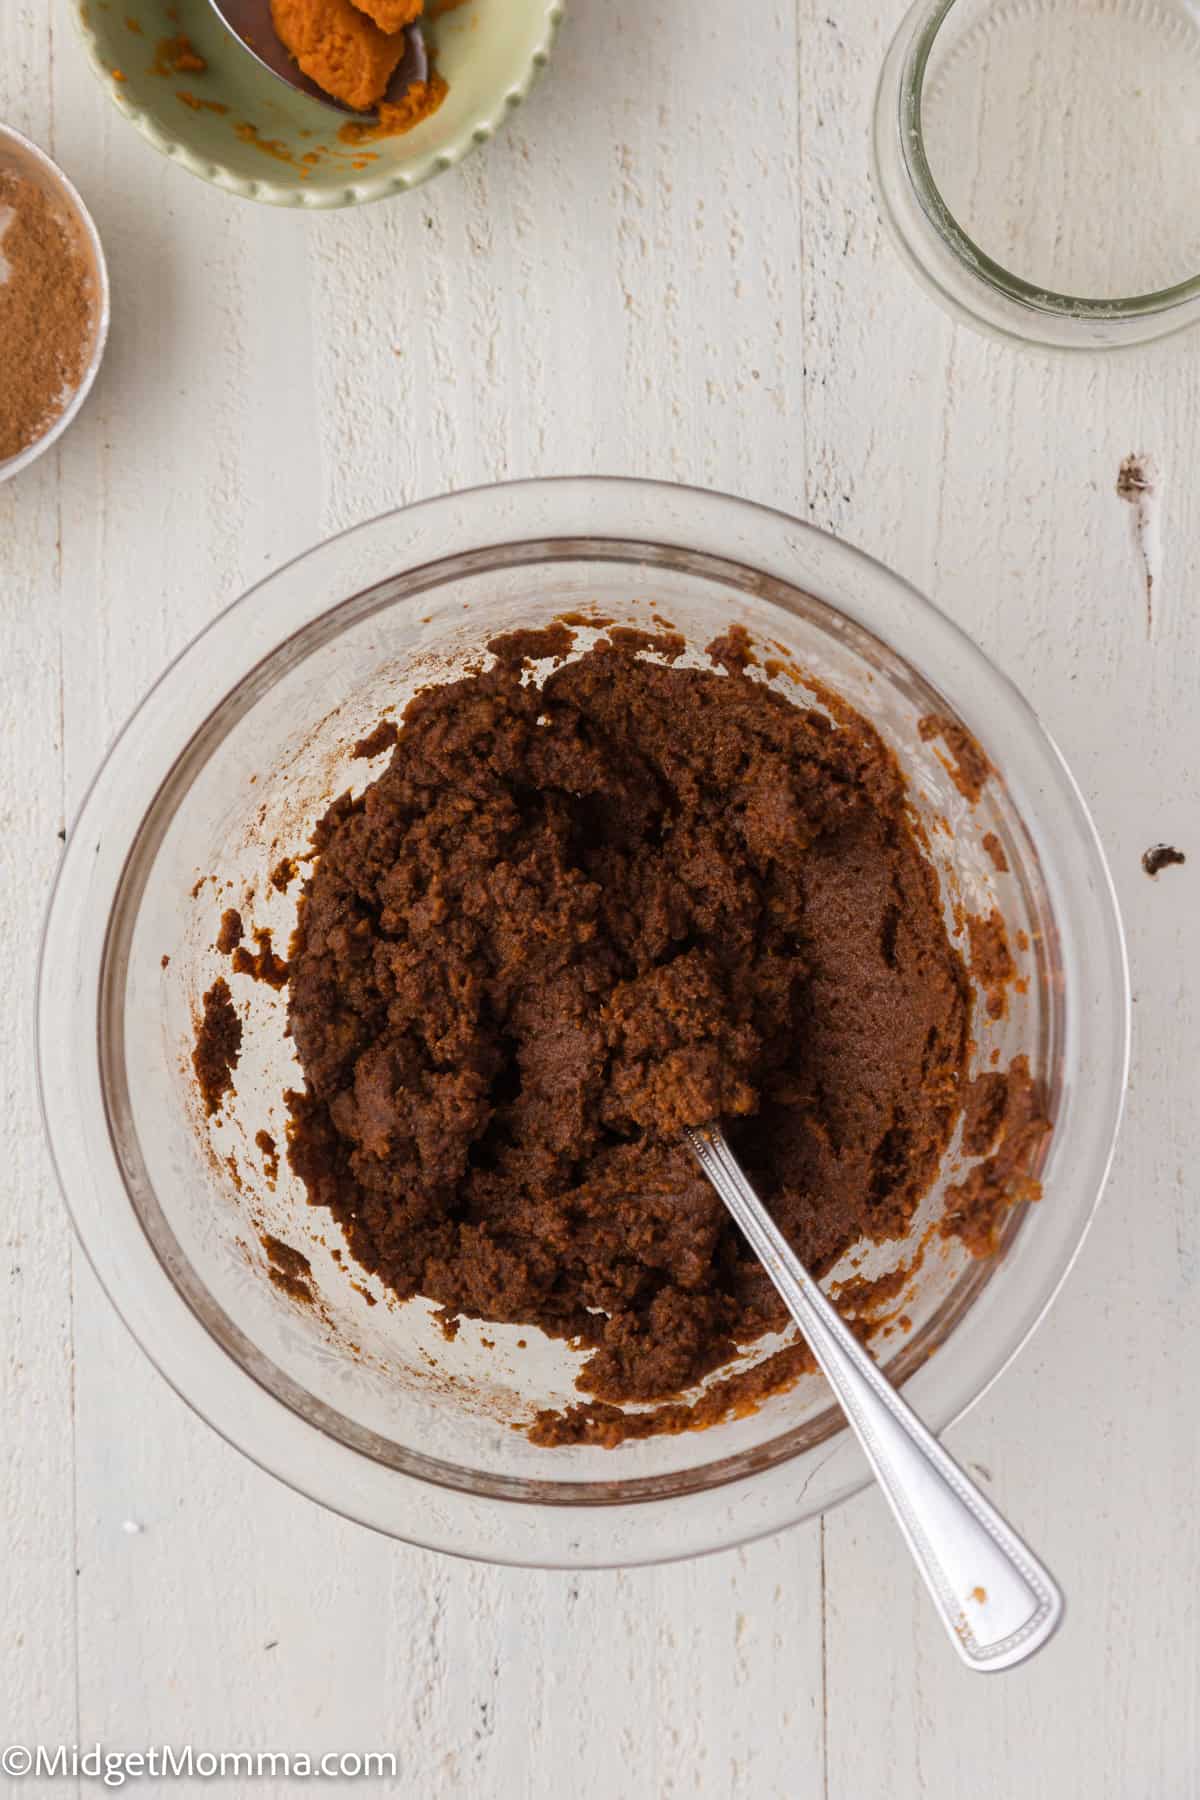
670,265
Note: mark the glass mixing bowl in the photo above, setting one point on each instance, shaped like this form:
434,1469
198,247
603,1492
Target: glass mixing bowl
224,769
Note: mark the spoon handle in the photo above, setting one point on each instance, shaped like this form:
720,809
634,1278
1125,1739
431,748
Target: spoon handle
995,1598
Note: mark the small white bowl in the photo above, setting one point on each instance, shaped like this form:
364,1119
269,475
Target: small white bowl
24,158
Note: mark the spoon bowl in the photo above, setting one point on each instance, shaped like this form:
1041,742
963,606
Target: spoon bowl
251,24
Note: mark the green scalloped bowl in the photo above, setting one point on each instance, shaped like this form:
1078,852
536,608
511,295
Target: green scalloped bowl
278,146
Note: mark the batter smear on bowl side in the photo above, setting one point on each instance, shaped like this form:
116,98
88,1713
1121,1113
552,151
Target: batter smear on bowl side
569,919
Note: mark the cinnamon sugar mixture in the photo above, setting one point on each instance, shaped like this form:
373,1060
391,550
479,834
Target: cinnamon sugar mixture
46,312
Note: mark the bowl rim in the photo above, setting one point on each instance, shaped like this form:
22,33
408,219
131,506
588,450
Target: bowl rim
159,1316
369,186
74,200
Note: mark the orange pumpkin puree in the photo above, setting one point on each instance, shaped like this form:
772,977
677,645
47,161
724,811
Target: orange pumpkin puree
339,48
422,98
392,15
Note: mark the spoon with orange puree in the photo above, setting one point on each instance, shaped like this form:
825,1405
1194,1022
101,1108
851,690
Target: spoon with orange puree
352,57
995,1598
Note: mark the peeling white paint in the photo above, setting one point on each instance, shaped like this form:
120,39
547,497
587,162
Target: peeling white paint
1139,483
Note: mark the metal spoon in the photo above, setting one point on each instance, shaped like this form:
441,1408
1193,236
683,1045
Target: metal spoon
996,1600
251,24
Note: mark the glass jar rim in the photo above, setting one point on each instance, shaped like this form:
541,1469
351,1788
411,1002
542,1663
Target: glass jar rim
1035,298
